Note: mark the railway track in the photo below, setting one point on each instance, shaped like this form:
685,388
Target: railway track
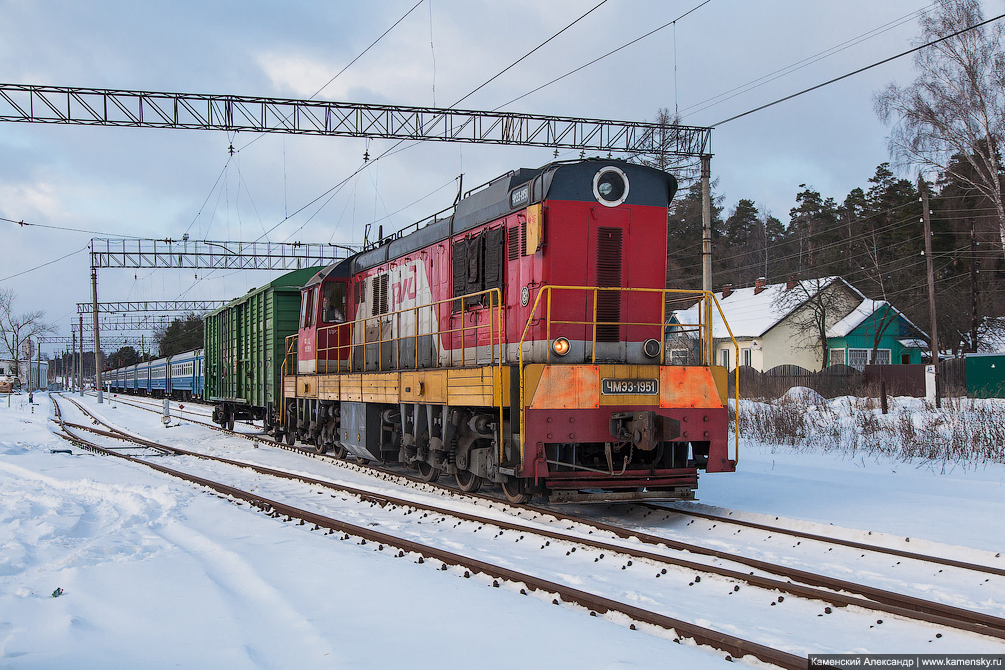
734,646
788,572
899,553
810,586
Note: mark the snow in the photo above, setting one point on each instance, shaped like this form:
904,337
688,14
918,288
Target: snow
157,573
751,312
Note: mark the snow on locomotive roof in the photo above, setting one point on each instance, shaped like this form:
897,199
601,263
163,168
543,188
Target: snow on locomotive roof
504,195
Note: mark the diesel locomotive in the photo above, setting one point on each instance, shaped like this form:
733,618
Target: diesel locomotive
520,338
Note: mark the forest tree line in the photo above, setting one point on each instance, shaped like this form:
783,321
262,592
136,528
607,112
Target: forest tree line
873,238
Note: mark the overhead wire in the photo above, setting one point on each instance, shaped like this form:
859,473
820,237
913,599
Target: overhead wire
528,54
859,71
395,147
800,64
600,58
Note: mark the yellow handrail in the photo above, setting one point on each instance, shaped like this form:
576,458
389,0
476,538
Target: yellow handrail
704,326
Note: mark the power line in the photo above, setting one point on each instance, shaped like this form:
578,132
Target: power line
858,71
39,267
609,53
526,55
800,64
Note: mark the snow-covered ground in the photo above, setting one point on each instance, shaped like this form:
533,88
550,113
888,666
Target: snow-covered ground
158,573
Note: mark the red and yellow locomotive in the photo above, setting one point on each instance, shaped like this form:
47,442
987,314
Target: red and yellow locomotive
519,338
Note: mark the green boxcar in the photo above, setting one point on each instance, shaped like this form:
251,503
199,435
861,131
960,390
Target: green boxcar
245,348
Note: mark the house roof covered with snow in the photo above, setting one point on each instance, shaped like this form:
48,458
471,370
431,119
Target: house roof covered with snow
751,312
857,317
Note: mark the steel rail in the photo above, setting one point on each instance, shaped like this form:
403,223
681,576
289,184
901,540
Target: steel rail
735,646
834,540
878,599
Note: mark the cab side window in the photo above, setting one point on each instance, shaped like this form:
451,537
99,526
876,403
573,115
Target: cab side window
333,306
307,308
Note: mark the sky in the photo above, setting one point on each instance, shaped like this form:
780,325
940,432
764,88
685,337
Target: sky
124,182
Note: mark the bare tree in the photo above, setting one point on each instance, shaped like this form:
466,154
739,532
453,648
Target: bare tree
816,305
17,330
956,106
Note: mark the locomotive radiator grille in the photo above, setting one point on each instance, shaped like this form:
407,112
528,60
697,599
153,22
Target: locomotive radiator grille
609,262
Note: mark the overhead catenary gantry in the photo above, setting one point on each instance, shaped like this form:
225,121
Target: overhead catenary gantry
207,255
184,306
668,144
237,113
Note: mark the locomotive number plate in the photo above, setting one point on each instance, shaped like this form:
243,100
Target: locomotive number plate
630,386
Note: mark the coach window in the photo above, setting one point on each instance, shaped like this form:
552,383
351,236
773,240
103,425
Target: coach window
333,302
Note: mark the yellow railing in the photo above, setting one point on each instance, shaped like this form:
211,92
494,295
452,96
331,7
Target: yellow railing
344,353
706,341
431,316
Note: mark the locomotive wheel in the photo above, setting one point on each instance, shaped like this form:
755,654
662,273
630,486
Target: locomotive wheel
340,452
427,472
290,437
467,481
320,447
514,491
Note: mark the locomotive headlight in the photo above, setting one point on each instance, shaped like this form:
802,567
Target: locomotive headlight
561,346
651,348
610,186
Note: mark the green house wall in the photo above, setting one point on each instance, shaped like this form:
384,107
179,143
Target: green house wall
862,338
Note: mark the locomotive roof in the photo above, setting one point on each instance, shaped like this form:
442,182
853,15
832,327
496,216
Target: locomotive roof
563,180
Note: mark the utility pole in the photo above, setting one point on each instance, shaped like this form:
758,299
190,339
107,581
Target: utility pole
925,215
706,245
80,359
97,339
973,285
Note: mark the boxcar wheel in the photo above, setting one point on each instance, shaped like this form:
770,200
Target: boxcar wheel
230,421
468,481
427,472
515,492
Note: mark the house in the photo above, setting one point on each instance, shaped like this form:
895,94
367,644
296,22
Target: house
851,341
792,322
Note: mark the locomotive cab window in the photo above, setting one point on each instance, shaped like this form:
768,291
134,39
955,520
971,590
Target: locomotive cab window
307,308
333,302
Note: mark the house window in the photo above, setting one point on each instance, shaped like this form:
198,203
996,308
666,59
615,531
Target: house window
859,358
745,353
724,358
837,357
678,356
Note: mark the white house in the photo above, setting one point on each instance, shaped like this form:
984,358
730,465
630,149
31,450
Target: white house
772,323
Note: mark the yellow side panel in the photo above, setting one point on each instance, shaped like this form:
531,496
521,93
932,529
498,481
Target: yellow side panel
535,227
328,387
562,386
685,386
629,372
351,388
380,387
307,386
721,377
474,386
425,386
290,386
